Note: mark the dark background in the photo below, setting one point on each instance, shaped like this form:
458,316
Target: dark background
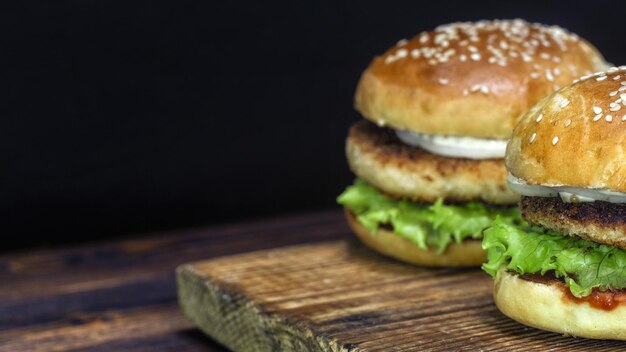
136,116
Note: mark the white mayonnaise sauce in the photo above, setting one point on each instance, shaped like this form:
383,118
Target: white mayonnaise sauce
455,146
567,194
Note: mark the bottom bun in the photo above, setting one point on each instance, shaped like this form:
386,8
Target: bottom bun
545,306
466,253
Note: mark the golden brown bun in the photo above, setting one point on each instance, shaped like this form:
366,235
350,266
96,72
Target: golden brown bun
594,221
572,144
466,253
543,306
472,79
377,156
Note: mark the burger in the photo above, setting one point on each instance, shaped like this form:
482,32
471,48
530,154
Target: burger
564,270
439,109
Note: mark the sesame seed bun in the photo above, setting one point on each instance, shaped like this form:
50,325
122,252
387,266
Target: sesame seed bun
384,241
600,222
471,79
575,137
543,306
377,156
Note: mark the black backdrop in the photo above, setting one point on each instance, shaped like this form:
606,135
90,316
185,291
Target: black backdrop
135,116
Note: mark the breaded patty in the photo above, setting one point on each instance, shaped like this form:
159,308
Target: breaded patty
600,222
377,156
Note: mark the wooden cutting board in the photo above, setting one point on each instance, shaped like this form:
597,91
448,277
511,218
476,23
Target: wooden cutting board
340,296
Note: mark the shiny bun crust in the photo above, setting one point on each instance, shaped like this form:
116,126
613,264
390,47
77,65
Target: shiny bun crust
467,253
471,79
575,137
542,305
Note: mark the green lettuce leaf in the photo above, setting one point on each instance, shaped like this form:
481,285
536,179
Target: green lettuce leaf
583,265
427,225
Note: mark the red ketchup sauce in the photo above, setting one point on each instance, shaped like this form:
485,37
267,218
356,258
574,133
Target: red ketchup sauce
605,300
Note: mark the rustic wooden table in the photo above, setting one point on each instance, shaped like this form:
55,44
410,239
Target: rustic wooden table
121,295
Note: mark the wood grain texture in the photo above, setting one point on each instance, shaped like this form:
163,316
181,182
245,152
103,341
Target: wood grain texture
121,295
340,296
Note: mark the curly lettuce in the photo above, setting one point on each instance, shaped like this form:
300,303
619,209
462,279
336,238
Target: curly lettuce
583,265
427,225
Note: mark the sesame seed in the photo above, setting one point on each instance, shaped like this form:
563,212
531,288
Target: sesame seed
505,40
614,107
484,89
443,81
622,96
623,83
613,93
539,117
475,88
622,88
617,77
568,122
564,103
597,117
532,137
597,109
555,140
608,118
601,78
624,118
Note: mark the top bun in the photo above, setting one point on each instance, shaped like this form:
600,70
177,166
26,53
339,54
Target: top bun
576,136
471,79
